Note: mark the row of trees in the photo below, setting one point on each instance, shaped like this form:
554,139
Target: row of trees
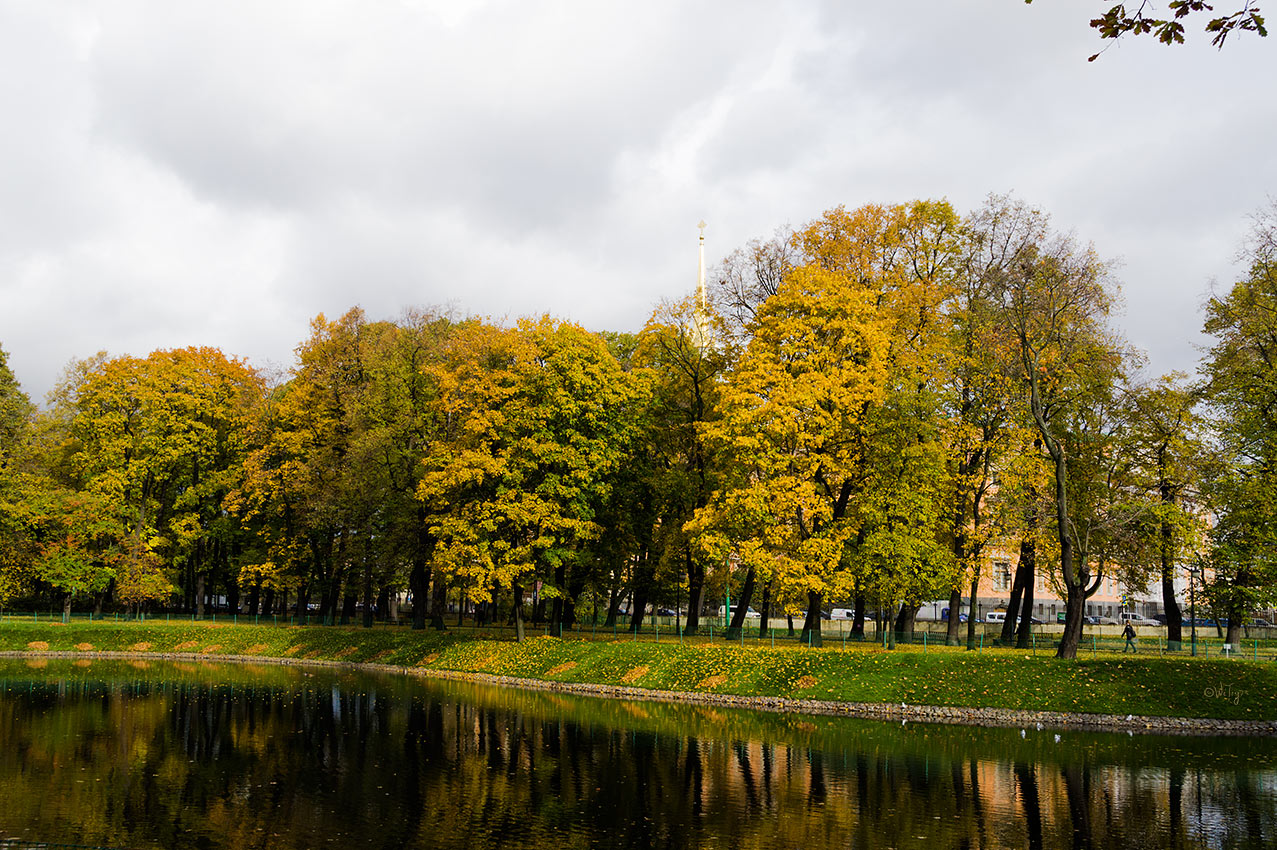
869,404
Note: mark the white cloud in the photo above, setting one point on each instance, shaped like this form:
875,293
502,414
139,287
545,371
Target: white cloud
182,174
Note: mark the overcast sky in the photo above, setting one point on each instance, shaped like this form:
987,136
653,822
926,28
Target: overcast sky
192,173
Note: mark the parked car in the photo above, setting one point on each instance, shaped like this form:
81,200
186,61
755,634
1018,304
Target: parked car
666,612
944,615
1136,619
1263,624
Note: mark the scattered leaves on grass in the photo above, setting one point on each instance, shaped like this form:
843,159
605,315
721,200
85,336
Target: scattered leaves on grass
635,674
184,645
255,649
140,647
212,647
560,668
38,645
84,647
711,681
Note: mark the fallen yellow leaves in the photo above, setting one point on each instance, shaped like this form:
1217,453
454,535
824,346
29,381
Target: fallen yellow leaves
38,645
635,674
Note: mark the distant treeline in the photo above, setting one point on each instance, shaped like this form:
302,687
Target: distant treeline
859,412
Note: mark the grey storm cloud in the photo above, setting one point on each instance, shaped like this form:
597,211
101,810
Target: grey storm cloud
217,174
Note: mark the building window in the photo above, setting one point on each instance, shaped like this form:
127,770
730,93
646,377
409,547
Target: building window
1002,576
1040,611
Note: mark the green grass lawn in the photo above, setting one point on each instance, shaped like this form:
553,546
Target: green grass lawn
1143,685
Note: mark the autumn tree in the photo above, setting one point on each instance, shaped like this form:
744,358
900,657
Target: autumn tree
160,439
15,426
1055,300
830,411
1241,397
1168,438
541,420
686,375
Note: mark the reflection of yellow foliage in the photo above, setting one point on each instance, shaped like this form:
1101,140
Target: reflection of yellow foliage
84,662
635,674
140,665
84,647
37,664
38,645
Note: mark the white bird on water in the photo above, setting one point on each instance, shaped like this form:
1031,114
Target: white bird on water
1057,739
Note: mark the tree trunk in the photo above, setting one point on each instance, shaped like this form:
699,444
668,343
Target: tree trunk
858,618
973,607
438,601
764,622
517,611
952,636
199,596
905,622
1029,561
811,625
1007,634
737,623
66,607
695,591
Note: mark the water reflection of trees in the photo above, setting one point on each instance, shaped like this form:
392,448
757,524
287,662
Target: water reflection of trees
187,764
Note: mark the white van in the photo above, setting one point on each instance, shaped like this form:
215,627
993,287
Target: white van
995,617
842,614
750,613
1136,620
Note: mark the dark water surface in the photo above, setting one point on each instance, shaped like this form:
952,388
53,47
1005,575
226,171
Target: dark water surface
146,755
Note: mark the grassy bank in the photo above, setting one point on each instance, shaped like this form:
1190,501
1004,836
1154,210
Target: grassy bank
1144,685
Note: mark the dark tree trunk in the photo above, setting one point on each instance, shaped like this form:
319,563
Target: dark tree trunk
516,611
383,603
268,602
255,598
811,625
1007,634
952,636
348,606
1028,561
764,622
695,591
858,618
905,622
438,601
973,606
737,623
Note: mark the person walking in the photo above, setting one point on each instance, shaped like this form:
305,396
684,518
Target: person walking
1129,634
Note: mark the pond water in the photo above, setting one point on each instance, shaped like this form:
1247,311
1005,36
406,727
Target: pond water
145,755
